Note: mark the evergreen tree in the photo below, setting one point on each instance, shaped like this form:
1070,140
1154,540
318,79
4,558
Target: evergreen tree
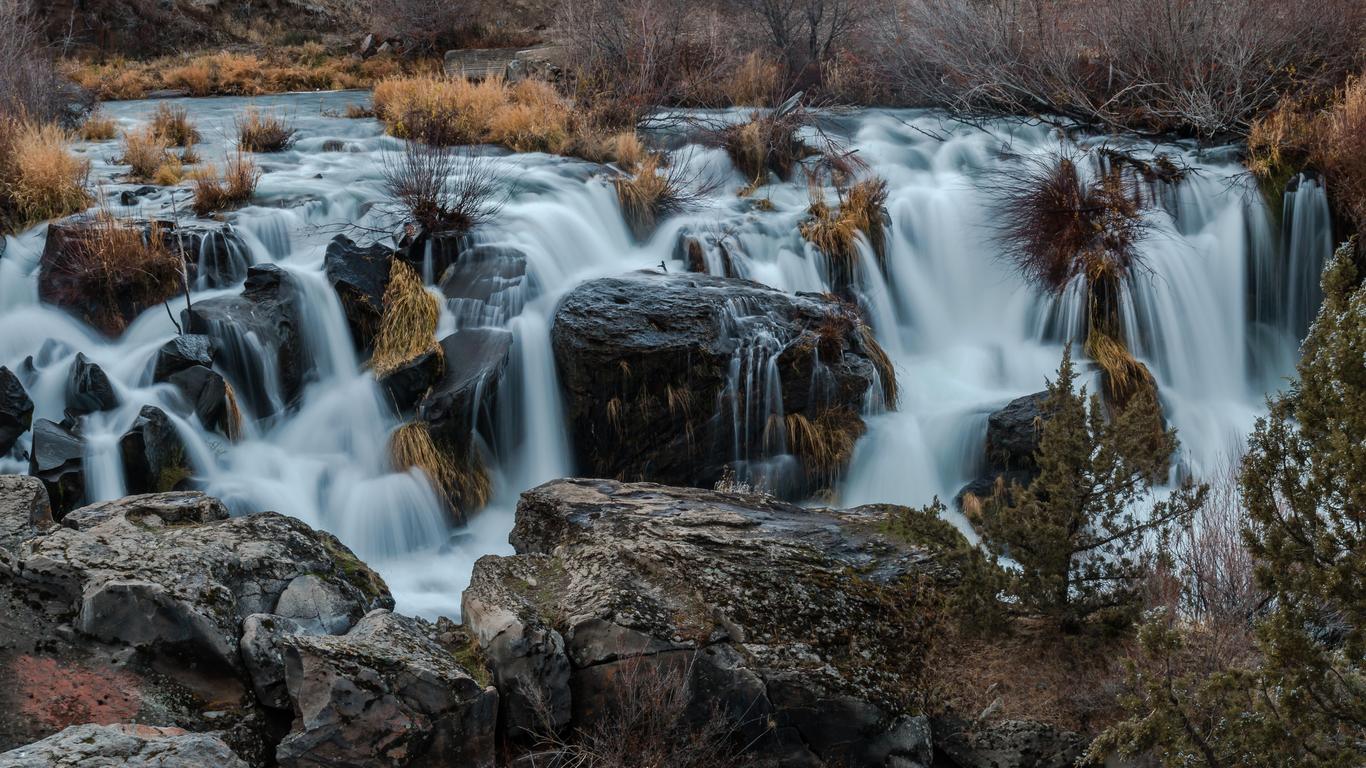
1300,702
1078,533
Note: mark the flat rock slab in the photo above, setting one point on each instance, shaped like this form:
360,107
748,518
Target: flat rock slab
123,746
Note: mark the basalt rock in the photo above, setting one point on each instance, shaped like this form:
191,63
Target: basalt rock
384,694
205,394
258,337
24,510
182,352
172,573
666,374
1008,744
463,401
1013,435
129,746
16,410
796,625
487,286
154,458
406,384
360,275
88,388
57,459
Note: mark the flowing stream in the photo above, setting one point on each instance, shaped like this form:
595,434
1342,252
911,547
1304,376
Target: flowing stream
1227,292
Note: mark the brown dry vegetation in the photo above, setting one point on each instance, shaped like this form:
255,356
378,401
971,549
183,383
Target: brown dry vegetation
173,125
259,131
307,67
834,231
99,127
39,177
530,116
145,152
214,193
408,327
109,263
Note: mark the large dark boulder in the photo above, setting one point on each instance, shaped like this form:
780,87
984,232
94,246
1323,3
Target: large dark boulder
463,401
407,383
360,275
258,338
88,388
154,458
16,410
674,377
56,459
776,617
184,351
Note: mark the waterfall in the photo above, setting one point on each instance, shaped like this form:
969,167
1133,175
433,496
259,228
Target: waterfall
1226,292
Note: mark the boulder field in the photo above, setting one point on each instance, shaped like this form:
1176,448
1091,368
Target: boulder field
158,630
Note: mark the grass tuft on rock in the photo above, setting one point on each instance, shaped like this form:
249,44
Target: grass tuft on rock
214,193
834,231
465,484
408,327
173,125
259,131
99,127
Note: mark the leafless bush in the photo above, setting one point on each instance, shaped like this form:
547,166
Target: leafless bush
441,189
649,720
631,56
805,32
1204,67
427,25
30,86
660,187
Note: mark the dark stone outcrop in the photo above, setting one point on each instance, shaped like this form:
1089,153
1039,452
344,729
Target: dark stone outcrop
755,602
205,395
463,401
655,367
88,388
184,351
406,384
153,454
263,321
129,746
487,286
384,694
1008,744
360,275
16,410
1013,435
56,459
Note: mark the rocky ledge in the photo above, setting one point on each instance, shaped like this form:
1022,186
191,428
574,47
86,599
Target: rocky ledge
796,625
269,638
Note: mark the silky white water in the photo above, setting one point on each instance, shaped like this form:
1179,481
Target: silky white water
1216,316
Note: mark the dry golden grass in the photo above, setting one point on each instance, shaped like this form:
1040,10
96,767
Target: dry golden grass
886,372
628,151
171,172
527,117
1123,375
276,69
834,231
173,124
465,484
757,82
213,193
823,445
39,177
99,127
1339,151
646,196
144,152
408,327
232,426
258,131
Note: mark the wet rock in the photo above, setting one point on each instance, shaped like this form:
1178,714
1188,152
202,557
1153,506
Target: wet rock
24,510
220,258
130,746
184,351
750,600
463,401
1013,434
206,395
88,388
487,286
1008,744
130,197
154,459
16,410
432,254
173,573
410,381
656,368
360,275
258,338
705,255
56,459
384,694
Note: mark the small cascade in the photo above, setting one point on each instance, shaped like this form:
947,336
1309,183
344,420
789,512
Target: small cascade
1216,314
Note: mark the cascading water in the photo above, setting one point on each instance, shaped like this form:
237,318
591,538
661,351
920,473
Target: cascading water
1216,316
